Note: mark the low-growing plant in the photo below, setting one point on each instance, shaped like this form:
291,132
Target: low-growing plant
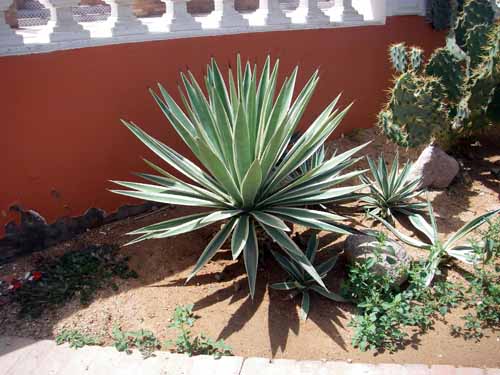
80,272
240,133
384,310
301,282
76,339
143,340
391,191
483,293
182,320
439,250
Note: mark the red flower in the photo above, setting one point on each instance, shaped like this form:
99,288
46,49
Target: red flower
16,284
36,275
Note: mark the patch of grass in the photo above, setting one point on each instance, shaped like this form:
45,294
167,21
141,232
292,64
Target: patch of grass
76,339
81,273
143,340
182,320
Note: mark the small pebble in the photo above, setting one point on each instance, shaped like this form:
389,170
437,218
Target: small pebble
218,276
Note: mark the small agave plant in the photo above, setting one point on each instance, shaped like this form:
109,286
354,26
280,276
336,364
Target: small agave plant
301,282
391,192
438,249
240,133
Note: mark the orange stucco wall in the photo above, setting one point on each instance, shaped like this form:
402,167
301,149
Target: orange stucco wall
61,139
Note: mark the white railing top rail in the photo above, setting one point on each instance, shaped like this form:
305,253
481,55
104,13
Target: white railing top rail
63,31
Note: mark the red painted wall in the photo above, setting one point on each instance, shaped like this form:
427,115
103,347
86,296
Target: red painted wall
61,139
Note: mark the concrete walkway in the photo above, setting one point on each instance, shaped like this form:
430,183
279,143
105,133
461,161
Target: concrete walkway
21,356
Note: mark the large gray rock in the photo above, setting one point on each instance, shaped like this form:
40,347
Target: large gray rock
358,248
435,168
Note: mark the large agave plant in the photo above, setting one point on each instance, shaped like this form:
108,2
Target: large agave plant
240,133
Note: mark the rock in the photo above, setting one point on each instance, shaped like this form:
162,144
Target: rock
358,248
435,168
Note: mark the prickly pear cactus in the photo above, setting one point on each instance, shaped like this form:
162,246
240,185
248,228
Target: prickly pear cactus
480,88
449,97
476,40
440,14
449,69
397,53
416,58
414,113
475,12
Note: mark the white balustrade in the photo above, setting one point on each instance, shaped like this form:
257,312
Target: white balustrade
123,26
124,20
8,37
65,28
347,11
308,12
227,15
179,19
272,13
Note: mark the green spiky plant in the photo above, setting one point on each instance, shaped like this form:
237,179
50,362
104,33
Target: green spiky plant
240,133
301,282
391,191
447,98
440,250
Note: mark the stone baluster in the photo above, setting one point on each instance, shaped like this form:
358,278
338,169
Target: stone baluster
347,11
272,12
178,17
229,17
311,14
7,35
123,19
65,26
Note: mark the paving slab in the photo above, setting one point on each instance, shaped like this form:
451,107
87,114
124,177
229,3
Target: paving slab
14,350
208,365
34,358
20,356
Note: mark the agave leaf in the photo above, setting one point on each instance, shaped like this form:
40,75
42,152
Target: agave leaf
251,184
469,227
171,198
188,226
305,304
289,267
314,224
312,247
175,160
464,253
423,226
242,147
326,266
271,220
251,258
213,246
293,252
219,170
330,295
403,237
240,236
169,224
286,285
306,213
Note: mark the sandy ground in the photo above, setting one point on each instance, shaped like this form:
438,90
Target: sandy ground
269,325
